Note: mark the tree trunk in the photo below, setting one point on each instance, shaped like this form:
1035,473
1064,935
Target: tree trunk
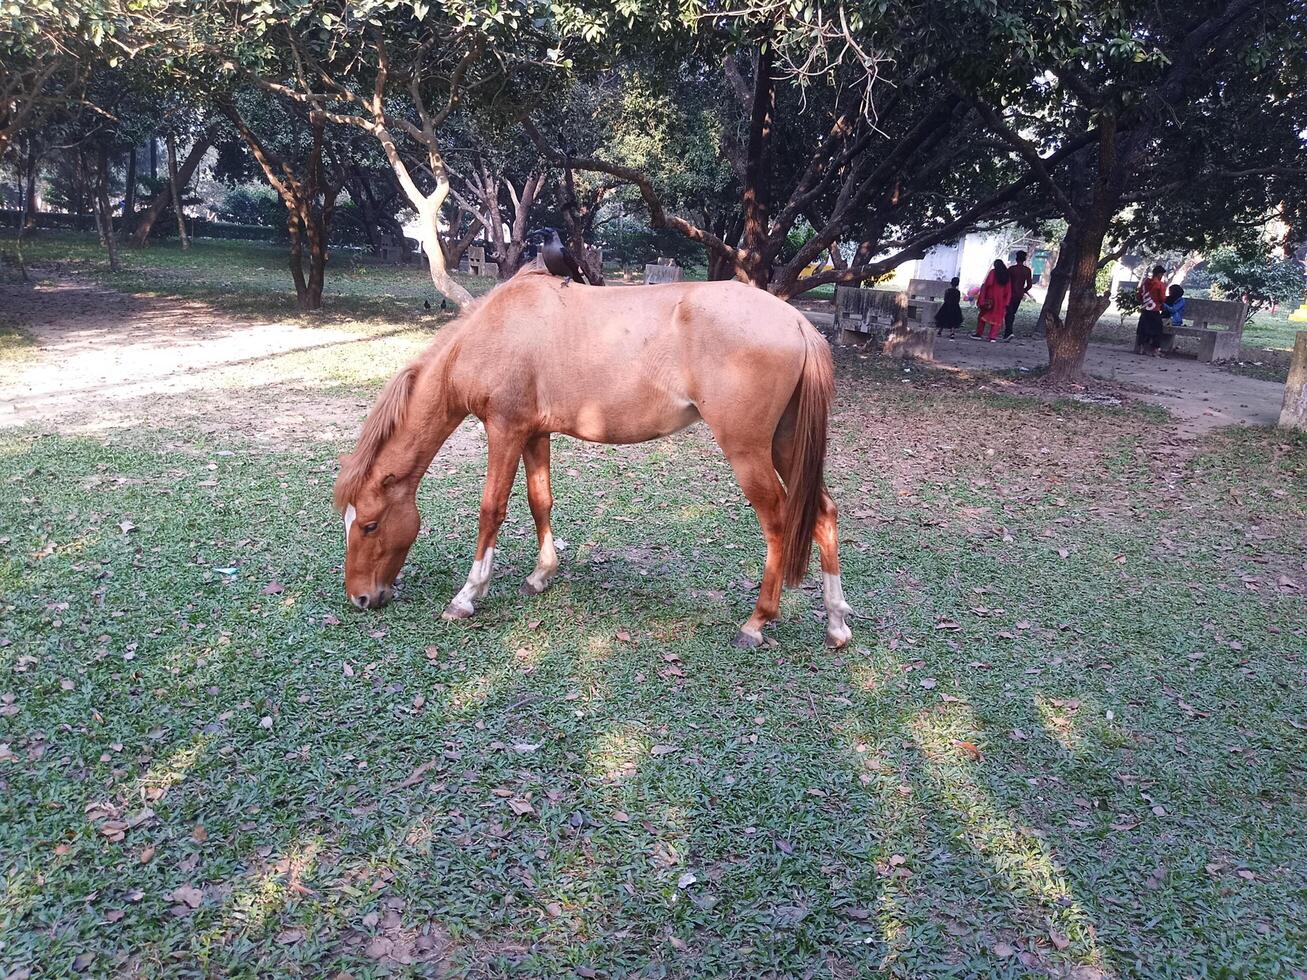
27,224
756,266
294,227
517,228
1068,340
176,191
456,244
129,193
159,202
578,224
319,246
103,209
1059,278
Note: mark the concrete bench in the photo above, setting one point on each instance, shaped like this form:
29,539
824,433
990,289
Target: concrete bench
393,250
662,271
903,324
1217,324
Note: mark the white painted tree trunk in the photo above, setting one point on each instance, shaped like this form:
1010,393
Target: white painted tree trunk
428,208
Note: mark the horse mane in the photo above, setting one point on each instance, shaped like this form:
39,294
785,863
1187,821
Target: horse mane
386,415
392,404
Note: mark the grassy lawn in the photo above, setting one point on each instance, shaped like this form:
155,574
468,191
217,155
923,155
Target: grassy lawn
1272,331
1067,739
244,277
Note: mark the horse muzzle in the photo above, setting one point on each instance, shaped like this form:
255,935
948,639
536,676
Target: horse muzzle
373,600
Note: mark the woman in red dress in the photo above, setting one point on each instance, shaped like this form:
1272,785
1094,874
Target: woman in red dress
993,300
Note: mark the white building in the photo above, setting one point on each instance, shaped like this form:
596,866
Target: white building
971,257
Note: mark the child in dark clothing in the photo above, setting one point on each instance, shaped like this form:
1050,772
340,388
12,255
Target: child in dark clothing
1174,305
950,314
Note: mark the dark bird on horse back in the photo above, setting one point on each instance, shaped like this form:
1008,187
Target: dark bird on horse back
561,262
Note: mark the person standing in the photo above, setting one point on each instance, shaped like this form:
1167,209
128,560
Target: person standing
1152,297
950,312
1022,282
993,300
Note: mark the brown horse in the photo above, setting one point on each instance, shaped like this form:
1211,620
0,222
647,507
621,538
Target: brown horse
612,366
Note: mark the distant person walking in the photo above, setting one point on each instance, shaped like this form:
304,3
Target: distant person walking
993,300
1022,282
1152,297
950,313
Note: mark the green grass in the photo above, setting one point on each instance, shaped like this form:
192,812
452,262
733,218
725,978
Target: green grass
1272,331
245,277
1103,620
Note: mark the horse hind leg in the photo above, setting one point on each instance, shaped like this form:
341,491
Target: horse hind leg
827,536
540,496
757,478
832,589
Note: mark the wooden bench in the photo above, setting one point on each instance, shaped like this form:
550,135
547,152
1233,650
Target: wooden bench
904,324
1218,325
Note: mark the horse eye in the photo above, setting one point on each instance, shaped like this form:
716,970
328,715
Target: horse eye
369,528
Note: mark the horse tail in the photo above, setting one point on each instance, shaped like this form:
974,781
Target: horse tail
804,482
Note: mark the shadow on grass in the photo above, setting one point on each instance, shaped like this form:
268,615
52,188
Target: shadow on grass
531,793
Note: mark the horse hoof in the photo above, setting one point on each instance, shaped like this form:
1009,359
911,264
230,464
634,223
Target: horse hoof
835,639
747,640
533,588
453,612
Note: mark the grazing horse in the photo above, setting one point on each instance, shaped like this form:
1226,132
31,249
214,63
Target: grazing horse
613,366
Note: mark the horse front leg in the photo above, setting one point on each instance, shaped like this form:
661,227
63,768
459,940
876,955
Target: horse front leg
505,450
540,495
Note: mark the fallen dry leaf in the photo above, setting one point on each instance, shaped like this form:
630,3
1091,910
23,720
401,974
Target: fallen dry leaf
188,895
971,750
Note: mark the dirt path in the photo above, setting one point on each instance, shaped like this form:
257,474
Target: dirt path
106,360
1200,396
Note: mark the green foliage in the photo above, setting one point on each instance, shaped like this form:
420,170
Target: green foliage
251,206
1127,299
1252,274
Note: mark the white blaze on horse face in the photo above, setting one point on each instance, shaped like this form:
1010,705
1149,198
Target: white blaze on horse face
477,585
837,610
349,523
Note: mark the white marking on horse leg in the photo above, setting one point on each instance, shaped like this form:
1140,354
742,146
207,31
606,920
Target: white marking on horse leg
546,565
476,586
837,610
350,514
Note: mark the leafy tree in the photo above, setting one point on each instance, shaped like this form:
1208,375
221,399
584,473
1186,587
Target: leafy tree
1189,108
811,138
397,70
304,160
1253,275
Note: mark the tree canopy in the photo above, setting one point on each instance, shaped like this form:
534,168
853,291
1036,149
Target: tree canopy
797,145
